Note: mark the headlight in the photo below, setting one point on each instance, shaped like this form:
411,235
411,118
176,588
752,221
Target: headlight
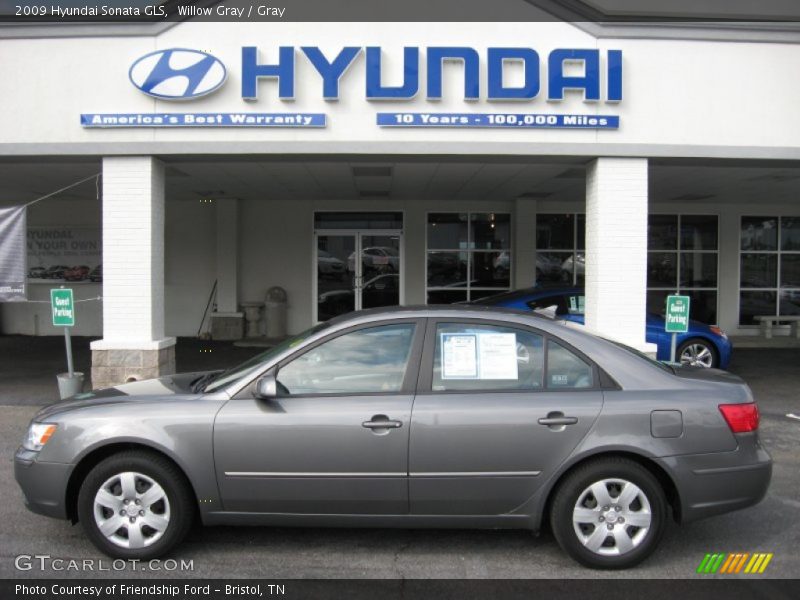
38,435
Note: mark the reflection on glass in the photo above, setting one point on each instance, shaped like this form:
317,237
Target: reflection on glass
755,303
490,269
381,290
790,270
790,302
790,233
490,231
379,254
364,361
447,231
698,269
703,305
656,301
335,294
698,232
759,233
555,232
447,296
759,270
554,267
662,232
446,268
662,269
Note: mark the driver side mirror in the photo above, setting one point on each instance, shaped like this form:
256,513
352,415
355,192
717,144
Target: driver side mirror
266,387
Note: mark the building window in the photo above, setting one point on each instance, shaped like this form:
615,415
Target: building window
769,267
468,256
560,249
682,257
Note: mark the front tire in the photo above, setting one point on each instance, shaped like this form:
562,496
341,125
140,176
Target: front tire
609,513
135,505
697,352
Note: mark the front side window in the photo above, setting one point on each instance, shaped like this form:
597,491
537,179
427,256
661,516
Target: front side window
370,360
487,357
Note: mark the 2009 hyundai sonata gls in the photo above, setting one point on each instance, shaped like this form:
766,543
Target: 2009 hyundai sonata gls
450,417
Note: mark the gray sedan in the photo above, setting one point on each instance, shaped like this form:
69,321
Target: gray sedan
409,417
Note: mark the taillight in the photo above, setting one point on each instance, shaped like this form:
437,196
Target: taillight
741,418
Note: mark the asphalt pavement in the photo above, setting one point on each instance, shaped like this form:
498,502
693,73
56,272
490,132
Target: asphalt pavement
27,380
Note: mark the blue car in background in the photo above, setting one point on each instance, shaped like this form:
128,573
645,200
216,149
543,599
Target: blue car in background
702,346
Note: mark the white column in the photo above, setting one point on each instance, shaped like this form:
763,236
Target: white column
226,322
616,249
134,345
524,243
227,255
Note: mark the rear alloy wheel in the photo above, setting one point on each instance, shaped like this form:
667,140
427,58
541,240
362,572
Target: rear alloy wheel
135,505
609,513
697,353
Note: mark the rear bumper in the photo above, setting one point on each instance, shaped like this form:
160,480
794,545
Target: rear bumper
43,484
713,484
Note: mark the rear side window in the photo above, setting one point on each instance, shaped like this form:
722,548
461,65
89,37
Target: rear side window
565,370
487,357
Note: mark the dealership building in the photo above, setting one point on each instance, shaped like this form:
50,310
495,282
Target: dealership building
356,165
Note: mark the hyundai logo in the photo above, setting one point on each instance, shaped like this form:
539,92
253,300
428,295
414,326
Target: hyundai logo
177,74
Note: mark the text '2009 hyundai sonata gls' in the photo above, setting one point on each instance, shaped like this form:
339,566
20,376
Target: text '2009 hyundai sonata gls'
407,417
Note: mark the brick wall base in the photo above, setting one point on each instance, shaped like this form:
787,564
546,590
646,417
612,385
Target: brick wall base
112,367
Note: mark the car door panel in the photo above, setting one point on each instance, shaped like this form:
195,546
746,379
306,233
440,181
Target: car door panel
312,455
485,452
326,450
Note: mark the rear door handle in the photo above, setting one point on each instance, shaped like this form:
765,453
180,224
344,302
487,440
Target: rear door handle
383,423
550,421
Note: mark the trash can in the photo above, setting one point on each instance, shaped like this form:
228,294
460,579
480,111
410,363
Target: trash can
69,386
275,311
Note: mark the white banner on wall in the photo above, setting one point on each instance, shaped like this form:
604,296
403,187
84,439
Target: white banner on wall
12,254
64,253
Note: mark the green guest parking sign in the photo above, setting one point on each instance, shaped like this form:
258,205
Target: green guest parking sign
63,308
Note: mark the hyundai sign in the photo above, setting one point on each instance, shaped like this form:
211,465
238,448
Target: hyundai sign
187,74
177,74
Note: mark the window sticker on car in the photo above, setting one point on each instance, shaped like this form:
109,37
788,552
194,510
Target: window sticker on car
488,356
459,356
559,380
498,356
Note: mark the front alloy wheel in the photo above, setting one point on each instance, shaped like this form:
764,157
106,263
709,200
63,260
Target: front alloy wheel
135,504
697,353
609,513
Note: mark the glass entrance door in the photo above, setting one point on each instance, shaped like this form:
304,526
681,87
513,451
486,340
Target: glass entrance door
357,269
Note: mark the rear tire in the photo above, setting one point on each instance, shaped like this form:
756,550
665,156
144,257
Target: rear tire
135,505
609,513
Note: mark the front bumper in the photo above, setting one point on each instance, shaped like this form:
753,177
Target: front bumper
44,484
717,483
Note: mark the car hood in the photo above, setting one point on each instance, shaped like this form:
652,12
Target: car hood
136,391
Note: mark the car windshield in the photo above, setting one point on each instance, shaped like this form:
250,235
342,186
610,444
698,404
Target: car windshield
253,364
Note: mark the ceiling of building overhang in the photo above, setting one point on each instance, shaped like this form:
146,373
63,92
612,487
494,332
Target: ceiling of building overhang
436,179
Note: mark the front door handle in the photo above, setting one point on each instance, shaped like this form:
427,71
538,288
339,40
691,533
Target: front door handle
382,422
557,419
